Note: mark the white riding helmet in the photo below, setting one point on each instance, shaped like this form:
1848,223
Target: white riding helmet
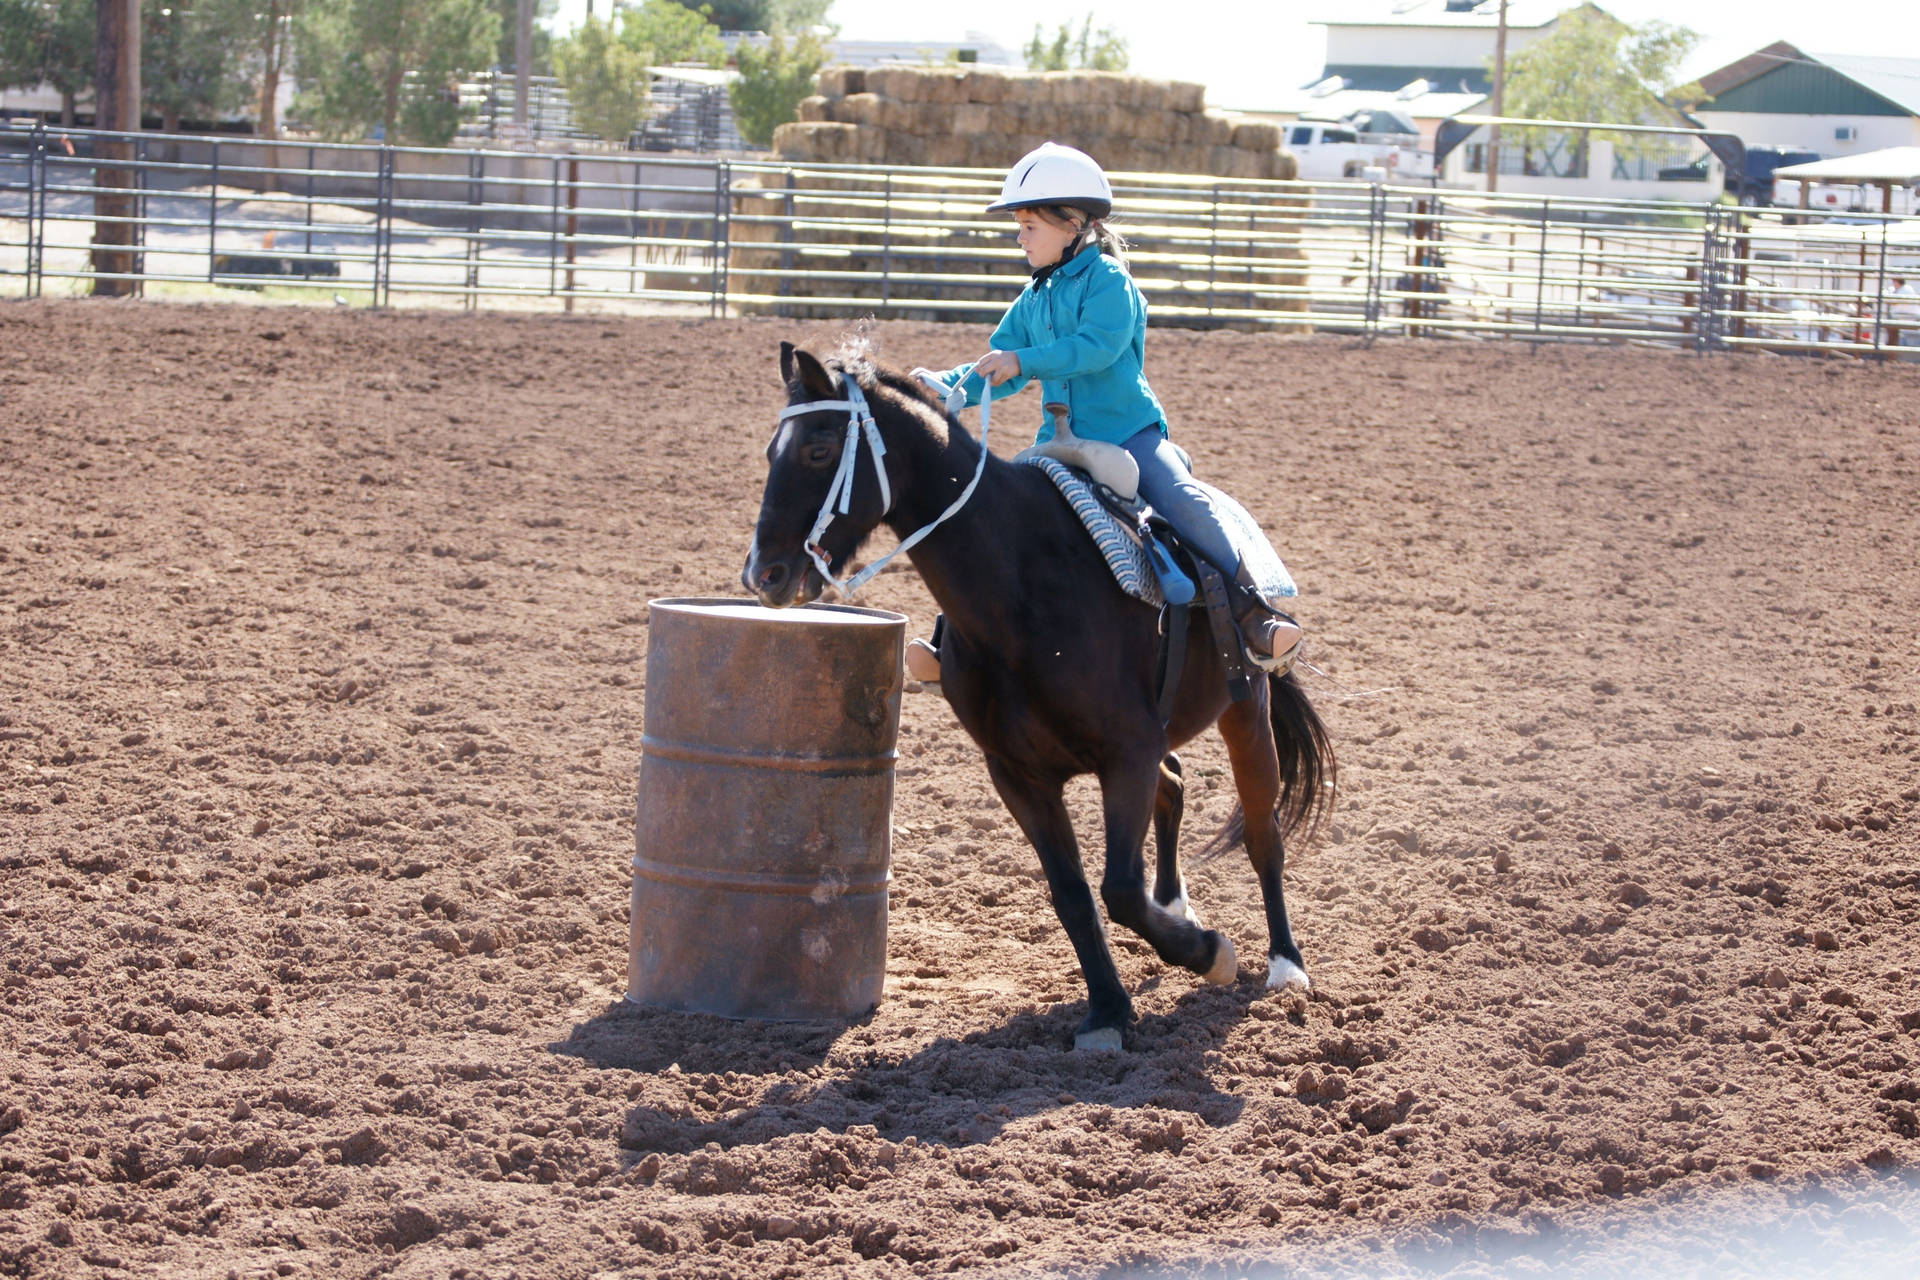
1053,174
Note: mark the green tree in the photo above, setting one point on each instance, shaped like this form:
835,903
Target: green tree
391,64
508,11
760,15
270,24
1595,67
605,79
772,82
51,41
1102,50
666,32
191,61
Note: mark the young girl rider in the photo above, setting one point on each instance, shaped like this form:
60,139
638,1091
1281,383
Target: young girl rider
1080,327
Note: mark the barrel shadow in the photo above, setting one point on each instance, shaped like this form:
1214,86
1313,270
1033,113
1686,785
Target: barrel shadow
955,1092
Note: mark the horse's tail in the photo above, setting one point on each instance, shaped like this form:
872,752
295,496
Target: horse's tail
1307,768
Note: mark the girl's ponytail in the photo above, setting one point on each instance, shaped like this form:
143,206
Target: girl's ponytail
1111,242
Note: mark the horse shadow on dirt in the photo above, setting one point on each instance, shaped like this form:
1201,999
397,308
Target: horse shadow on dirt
956,1092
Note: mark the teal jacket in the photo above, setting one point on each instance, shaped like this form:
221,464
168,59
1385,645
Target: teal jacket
1083,332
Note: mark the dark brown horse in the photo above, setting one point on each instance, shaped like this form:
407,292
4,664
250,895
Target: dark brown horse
1046,662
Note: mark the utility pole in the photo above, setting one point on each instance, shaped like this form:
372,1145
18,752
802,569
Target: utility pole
523,62
1499,99
116,99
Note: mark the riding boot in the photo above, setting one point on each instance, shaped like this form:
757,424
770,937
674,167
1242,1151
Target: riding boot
923,657
1272,638
923,662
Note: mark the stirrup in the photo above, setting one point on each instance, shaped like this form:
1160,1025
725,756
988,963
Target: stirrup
1281,663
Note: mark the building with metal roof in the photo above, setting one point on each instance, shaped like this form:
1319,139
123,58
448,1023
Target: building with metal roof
1426,59
1836,104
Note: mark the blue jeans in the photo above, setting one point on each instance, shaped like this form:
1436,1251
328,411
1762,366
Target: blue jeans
1170,487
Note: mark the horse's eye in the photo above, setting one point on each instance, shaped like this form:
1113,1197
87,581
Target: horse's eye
817,453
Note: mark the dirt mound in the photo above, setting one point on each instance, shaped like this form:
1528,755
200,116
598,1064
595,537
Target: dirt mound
322,644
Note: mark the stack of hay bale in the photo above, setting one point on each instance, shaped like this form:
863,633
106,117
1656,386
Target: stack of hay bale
988,119
832,234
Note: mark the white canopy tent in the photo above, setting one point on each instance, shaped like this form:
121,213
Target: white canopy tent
1887,168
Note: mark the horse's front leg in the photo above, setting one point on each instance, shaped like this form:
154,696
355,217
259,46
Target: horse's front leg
1036,804
1248,731
1131,793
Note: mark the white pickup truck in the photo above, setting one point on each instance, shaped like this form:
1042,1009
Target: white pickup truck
1335,149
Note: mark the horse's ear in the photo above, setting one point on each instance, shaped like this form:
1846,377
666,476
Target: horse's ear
786,362
812,374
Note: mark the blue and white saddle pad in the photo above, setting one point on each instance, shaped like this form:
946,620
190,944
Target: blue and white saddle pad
1124,554
1270,577
1128,559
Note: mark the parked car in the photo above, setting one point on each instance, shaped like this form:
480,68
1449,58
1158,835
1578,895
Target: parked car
1346,148
1756,186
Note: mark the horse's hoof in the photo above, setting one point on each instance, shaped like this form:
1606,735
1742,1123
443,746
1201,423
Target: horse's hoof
1226,965
1098,1040
1282,973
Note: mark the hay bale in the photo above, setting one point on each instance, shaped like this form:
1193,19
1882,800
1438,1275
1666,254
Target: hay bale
838,82
789,140
1217,130
947,87
1075,89
1155,126
1256,135
1184,95
816,140
1286,166
901,147
813,109
912,84
870,146
896,115
1147,95
949,152
860,108
1030,90
971,119
1094,118
890,82
1006,120
987,150
986,86
1107,88
1150,155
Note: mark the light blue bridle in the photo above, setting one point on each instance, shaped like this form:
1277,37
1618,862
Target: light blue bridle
839,499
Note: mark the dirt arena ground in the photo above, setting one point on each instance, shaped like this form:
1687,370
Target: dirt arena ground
322,653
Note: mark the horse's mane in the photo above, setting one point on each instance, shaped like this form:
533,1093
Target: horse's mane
855,358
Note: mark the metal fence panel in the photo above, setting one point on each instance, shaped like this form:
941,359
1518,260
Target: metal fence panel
378,225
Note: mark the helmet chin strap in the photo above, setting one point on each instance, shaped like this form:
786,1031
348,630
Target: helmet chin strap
839,498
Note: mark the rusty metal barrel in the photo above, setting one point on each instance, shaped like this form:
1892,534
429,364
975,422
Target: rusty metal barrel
765,816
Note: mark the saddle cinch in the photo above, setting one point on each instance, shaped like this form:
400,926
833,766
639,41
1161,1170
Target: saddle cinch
1101,482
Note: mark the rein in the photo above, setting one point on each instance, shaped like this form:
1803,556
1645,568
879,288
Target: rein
839,499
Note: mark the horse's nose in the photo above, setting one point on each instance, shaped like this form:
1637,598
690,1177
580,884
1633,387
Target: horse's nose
766,578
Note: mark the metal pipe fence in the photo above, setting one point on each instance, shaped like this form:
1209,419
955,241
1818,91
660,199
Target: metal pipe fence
376,224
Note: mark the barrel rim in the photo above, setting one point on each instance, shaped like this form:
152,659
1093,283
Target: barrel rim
692,605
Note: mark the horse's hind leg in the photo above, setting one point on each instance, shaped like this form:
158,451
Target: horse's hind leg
1248,731
1169,804
1037,806
1175,936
